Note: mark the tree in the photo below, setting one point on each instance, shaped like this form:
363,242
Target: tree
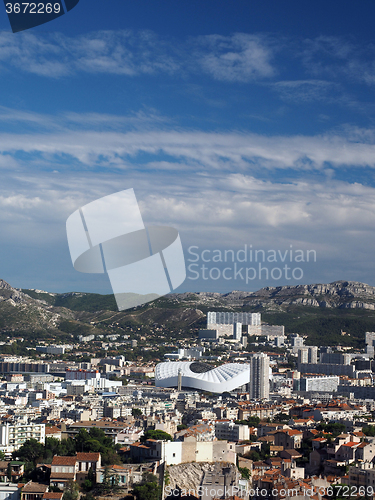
245,473
148,489
281,417
156,434
110,481
369,430
136,412
71,491
333,428
253,455
29,451
9,471
181,427
253,421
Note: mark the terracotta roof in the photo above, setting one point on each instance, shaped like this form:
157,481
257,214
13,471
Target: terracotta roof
64,460
35,488
53,430
363,445
351,444
88,457
62,475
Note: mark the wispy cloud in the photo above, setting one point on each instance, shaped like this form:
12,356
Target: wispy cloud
237,58
337,57
186,179
200,150
111,52
307,90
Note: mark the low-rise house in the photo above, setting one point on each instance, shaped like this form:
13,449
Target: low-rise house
63,470
289,438
347,452
17,469
33,491
53,495
365,452
86,462
127,475
53,431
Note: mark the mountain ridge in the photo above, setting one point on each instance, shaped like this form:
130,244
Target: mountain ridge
315,309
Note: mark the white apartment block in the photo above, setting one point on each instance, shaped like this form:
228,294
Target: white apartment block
12,436
229,318
231,431
259,386
323,384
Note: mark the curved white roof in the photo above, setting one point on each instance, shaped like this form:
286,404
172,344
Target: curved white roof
223,378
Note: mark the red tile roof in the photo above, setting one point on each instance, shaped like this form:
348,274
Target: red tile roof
88,457
64,460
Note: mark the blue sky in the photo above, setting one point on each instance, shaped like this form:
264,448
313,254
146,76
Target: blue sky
238,123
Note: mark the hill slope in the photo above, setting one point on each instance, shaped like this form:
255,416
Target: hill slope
321,311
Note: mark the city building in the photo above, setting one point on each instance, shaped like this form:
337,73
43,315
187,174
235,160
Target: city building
323,384
259,385
12,436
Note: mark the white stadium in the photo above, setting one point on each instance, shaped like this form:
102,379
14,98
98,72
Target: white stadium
198,375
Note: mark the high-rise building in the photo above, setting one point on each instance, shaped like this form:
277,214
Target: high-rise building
237,331
296,342
259,384
229,318
313,354
336,358
303,355
370,343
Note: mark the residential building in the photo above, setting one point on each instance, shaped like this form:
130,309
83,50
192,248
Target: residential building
259,385
12,436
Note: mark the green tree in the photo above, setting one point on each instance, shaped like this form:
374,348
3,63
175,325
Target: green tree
71,491
110,481
333,428
156,434
369,430
245,472
148,489
136,412
29,451
9,471
281,417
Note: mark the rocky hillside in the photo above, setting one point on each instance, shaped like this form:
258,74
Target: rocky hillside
315,310
339,294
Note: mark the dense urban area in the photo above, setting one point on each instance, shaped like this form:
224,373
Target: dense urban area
237,409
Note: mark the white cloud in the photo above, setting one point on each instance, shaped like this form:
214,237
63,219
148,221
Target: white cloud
337,57
240,57
213,187
199,150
